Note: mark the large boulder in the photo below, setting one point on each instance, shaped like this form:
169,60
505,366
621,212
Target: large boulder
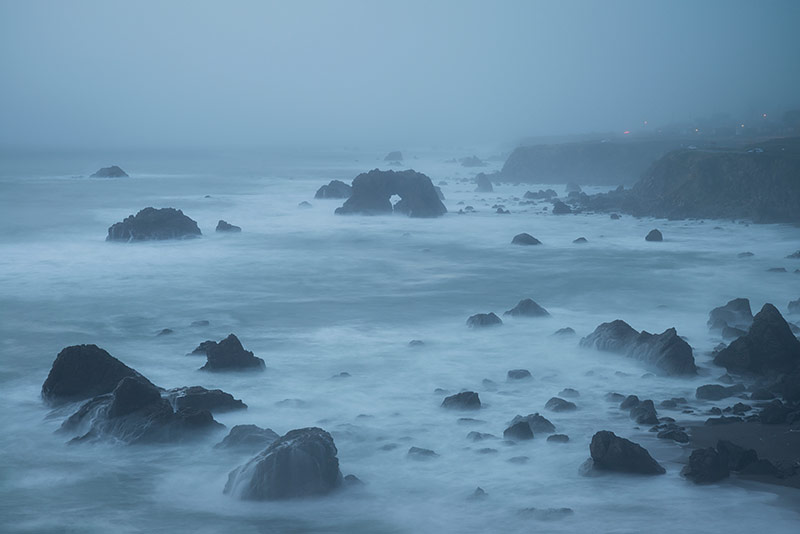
666,352
769,348
613,453
247,437
335,189
81,372
154,224
135,413
560,208
466,400
481,320
230,355
200,398
483,184
654,235
110,172
706,466
302,463
527,308
525,239
518,431
538,423
735,314
372,192
224,226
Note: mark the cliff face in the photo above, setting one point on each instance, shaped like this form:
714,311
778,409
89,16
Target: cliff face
585,163
760,186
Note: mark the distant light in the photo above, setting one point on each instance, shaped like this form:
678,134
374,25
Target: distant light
645,123
742,125
626,132
696,129
764,115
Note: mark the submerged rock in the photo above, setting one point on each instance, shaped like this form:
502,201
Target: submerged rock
223,226
466,400
250,437
558,438
527,308
110,172
481,320
154,224
613,453
395,155
666,351
735,314
525,239
372,192
654,235
518,374
717,392
83,371
769,347
418,453
200,398
538,423
228,355
335,189
472,161
483,183
302,463
557,404
135,413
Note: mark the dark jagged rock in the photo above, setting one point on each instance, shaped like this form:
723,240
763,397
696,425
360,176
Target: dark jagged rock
675,434
644,413
304,204
558,438
483,183
416,343
200,398
481,320
335,189
654,235
729,332
738,457
395,155
135,413
794,306
518,374
466,400
706,466
166,332
736,314
538,423
223,226
83,371
559,208
479,493
518,431
525,239
527,308
580,241
229,355
774,413
615,397
203,347
613,453
631,401
666,351
569,392
472,161
439,192
302,463
717,392
110,172
768,348
418,453
567,331
247,437
479,436
154,224
372,194
560,405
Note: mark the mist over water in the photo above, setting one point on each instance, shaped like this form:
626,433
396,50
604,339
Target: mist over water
315,295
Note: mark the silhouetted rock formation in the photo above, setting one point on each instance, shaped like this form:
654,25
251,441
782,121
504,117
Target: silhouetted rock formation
247,437
154,224
666,351
223,226
483,184
518,431
525,239
717,392
654,235
84,371
466,400
480,320
538,423
372,194
200,398
110,172
335,189
303,463
613,453
559,208
228,355
769,348
394,156
706,466
527,308
735,314
541,194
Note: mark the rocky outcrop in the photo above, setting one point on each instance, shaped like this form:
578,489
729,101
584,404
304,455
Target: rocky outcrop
735,314
666,352
538,423
518,431
247,437
518,374
135,413
335,189
769,348
716,392
466,400
395,155
483,184
481,320
81,372
613,453
229,355
303,463
527,308
559,208
154,224
525,239
372,194
558,404
223,226
794,306
200,398
110,172
654,235
706,466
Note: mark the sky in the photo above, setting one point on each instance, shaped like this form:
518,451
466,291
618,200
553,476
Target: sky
296,73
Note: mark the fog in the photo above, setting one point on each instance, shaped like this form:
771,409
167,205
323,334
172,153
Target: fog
175,74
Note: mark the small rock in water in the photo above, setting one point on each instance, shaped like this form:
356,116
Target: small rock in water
417,453
564,332
613,453
466,400
569,393
525,239
581,240
518,374
558,438
481,320
223,226
165,332
527,308
518,431
654,235
560,405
